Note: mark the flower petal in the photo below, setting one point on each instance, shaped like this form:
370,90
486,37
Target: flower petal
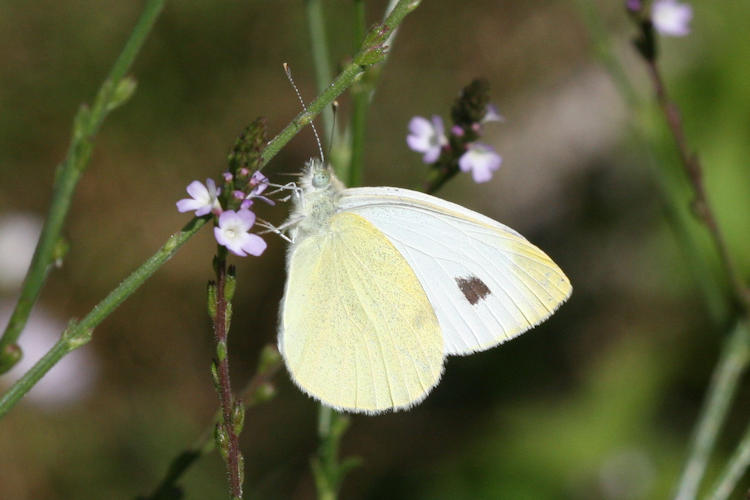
253,244
198,191
246,217
188,205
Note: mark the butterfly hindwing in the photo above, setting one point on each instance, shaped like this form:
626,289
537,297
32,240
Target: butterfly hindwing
486,282
357,329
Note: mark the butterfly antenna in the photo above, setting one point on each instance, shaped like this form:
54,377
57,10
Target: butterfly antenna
302,102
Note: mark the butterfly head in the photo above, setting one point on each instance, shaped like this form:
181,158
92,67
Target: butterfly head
319,177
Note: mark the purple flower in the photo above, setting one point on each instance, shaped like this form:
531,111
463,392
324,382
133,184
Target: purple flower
203,199
492,115
427,137
232,233
259,183
227,176
671,18
482,160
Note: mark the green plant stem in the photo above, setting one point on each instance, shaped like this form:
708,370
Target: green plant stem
734,470
321,59
372,51
258,390
360,103
78,333
732,363
111,94
328,472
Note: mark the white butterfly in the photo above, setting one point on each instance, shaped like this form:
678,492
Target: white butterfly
383,283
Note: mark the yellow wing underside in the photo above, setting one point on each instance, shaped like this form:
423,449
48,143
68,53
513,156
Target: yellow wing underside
358,331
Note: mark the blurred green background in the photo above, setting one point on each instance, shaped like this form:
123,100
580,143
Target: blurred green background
598,402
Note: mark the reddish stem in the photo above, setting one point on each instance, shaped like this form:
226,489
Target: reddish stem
225,387
694,170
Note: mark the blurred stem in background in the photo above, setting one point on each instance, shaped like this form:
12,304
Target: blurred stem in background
328,472
371,52
114,92
735,356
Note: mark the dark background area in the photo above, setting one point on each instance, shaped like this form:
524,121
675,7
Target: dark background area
598,402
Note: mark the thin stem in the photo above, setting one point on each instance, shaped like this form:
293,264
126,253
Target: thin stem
113,92
373,50
729,369
734,470
694,170
321,59
328,472
221,317
360,103
257,390
78,334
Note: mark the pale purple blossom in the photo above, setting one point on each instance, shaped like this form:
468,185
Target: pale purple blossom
227,176
671,18
492,115
238,195
427,137
203,198
259,183
481,160
457,131
232,232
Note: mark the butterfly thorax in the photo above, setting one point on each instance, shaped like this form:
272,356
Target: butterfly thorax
316,202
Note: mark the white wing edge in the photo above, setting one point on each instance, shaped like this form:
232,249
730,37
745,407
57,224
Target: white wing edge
352,198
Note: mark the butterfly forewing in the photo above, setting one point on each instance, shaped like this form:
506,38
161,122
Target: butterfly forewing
486,282
357,329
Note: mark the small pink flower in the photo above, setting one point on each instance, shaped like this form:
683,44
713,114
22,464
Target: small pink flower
232,232
259,183
481,160
203,198
671,18
427,137
457,131
227,176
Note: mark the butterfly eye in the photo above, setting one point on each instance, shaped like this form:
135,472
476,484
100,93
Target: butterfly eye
321,179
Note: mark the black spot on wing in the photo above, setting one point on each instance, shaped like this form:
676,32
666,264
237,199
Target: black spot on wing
473,289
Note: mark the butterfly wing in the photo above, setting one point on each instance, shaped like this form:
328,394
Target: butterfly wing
357,330
486,282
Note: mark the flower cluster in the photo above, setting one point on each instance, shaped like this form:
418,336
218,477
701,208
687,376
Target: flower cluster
459,150
668,17
235,219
